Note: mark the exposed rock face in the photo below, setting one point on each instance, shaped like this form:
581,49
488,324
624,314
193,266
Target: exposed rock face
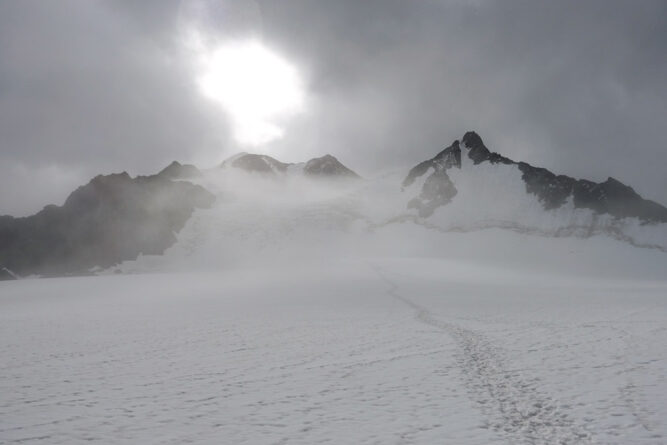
328,166
256,163
478,152
610,197
325,167
111,219
176,170
553,190
617,199
438,189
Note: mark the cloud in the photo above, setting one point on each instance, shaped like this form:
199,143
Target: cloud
576,87
81,87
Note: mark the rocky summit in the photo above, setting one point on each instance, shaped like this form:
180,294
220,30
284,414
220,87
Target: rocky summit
553,191
326,166
176,170
115,218
256,163
111,219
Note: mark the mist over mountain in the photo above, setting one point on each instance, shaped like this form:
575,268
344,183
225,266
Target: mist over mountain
553,191
333,222
176,170
326,166
110,219
465,187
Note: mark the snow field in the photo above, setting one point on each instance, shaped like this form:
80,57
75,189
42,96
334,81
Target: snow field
376,351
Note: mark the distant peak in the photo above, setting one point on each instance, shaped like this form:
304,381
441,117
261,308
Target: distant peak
610,197
329,166
234,157
177,170
614,181
111,177
253,162
472,140
326,158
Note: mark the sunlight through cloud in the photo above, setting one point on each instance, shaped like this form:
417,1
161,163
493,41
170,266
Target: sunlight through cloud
257,88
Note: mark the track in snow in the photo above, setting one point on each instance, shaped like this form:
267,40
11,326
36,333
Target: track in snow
512,403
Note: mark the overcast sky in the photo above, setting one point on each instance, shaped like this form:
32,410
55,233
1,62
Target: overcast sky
90,87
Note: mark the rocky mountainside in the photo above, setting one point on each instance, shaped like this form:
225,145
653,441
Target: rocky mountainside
256,163
610,197
464,188
110,219
176,170
326,166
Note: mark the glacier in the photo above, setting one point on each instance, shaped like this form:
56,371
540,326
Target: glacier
297,311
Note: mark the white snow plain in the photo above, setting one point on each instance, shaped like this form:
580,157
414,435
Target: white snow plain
378,351
319,320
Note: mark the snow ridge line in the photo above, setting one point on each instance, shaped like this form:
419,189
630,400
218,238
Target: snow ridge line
574,231
514,406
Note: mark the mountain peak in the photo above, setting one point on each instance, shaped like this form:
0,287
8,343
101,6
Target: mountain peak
324,166
472,140
111,219
611,197
257,163
478,152
176,170
328,166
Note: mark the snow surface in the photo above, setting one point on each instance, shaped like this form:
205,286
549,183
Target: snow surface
376,351
494,196
293,312
262,219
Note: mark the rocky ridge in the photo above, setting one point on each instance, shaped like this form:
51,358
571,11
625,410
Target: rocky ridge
553,191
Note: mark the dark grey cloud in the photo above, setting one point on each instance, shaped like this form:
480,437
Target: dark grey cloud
578,87
87,88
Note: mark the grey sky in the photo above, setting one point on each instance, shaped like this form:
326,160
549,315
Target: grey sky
90,87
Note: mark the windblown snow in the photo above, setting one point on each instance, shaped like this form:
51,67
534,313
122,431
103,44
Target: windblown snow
296,312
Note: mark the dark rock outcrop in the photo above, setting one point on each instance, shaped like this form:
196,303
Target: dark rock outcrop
256,163
438,189
176,170
449,157
610,197
111,219
478,152
328,167
552,190
617,199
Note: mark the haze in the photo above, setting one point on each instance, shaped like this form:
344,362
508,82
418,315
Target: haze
100,87
333,221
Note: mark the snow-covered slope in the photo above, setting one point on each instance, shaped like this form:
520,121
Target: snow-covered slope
466,187
304,311
393,350
267,218
267,209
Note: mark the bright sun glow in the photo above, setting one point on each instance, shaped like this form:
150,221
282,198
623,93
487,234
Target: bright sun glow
257,88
